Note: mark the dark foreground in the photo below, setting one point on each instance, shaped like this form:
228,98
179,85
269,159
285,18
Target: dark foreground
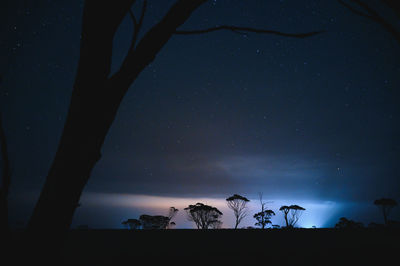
233,247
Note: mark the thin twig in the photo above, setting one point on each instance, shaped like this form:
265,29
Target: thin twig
245,30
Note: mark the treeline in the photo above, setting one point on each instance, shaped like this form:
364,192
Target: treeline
209,217
385,205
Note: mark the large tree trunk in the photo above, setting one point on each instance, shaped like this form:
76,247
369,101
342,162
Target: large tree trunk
93,107
286,220
384,211
88,121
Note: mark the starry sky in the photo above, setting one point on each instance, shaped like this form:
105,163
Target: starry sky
310,121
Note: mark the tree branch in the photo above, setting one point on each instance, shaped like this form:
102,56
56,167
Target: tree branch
133,19
244,30
137,24
151,43
366,7
355,11
99,24
372,15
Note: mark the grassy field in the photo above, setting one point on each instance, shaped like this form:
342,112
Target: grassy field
233,247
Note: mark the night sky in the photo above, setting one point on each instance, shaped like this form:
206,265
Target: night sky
312,121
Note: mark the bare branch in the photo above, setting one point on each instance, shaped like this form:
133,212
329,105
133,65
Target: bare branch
143,12
372,15
366,7
355,11
133,19
151,43
245,30
132,14
137,24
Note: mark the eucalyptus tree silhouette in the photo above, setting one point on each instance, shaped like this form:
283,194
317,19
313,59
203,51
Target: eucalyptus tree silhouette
264,216
204,216
345,223
386,205
285,210
238,204
154,222
291,214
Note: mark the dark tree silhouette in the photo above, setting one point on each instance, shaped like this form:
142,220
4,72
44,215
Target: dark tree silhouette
291,214
386,205
264,216
295,213
5,180
238,204
361,8
345,223
154,222
132,224
204,216
285,210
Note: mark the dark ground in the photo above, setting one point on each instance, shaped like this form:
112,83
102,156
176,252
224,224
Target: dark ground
223,247
233,247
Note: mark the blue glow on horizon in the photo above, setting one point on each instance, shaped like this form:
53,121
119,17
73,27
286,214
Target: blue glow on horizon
123,206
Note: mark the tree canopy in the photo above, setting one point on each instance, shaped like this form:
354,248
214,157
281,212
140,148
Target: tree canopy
263,218
238,204
154,222
204,216
386,205
345,223
291,214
